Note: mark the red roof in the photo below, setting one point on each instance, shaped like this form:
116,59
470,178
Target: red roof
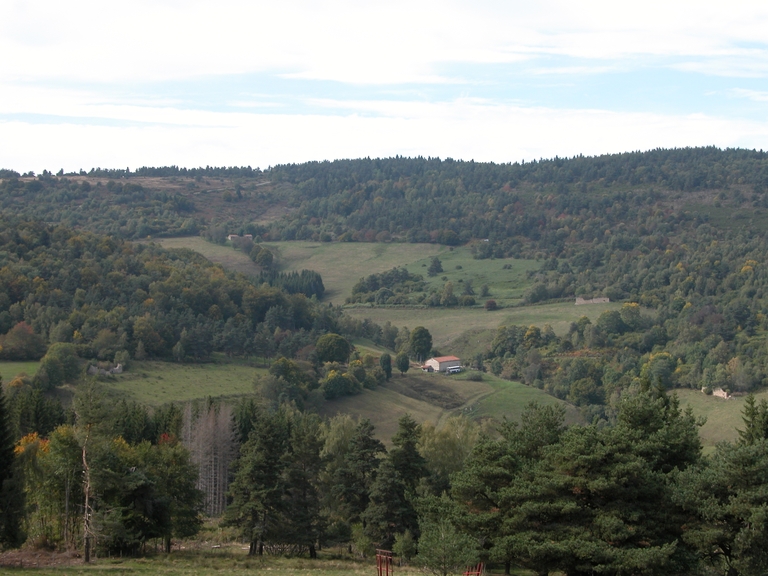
446,359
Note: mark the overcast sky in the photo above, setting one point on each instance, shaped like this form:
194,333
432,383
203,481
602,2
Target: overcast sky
129,84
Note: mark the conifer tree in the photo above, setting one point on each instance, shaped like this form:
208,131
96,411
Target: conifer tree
11,495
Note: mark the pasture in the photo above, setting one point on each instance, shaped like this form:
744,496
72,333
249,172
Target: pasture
435,397
723,416
509,399
157,383
226,256
9,370
342,264
453,329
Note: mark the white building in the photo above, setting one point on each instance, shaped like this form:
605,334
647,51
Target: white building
441,364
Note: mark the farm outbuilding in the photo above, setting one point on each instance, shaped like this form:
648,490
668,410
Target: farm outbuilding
441,364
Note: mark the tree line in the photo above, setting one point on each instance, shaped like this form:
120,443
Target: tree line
634,495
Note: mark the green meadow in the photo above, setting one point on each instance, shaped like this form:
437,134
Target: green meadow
227,256
157,383
724,417
453,328
9,370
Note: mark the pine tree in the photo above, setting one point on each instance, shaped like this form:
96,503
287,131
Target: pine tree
11,495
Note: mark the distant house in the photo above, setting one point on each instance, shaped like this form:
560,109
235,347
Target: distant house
232,237
582,301
248,236
441,364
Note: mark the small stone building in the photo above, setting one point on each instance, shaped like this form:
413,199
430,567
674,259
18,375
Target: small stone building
441,364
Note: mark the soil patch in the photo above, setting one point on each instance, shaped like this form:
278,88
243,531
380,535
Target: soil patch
30,558
431,392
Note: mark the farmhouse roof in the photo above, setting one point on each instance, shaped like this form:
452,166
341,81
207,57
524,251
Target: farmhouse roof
446,358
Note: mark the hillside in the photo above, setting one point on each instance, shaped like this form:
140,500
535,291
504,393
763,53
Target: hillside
674,238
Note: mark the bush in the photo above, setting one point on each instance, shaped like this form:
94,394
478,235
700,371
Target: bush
491,305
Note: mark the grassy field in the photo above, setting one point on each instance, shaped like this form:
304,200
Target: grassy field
506,279
9,370
723,416
434,397
449,325
509,399
227,256
221,562
342,264
157,383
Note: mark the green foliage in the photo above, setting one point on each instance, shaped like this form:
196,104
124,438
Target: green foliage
11,497
402,362
21,343
333,348
435,267
390,509
275,498
385,361
421,342
59,365
444,550
404,546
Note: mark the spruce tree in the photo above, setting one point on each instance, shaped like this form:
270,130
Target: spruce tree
11,495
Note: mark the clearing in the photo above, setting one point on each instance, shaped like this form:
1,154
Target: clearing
157,383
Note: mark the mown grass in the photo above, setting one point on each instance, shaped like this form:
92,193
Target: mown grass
156,383
448,325
9,370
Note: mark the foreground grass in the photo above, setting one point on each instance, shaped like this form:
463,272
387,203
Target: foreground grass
219,562
157,383
226,561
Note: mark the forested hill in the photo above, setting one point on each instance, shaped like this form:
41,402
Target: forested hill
518,206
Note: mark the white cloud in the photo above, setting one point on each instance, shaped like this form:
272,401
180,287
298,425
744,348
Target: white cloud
754,95
461,129
400,41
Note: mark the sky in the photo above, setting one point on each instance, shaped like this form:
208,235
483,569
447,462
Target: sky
151,83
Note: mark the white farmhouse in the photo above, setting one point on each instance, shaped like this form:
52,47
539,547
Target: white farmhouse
441,364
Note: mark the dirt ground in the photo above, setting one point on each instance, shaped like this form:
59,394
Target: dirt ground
30,558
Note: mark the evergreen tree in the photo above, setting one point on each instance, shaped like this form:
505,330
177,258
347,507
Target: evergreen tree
257,490
352,481
390,510
385,361
11,494
402,362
